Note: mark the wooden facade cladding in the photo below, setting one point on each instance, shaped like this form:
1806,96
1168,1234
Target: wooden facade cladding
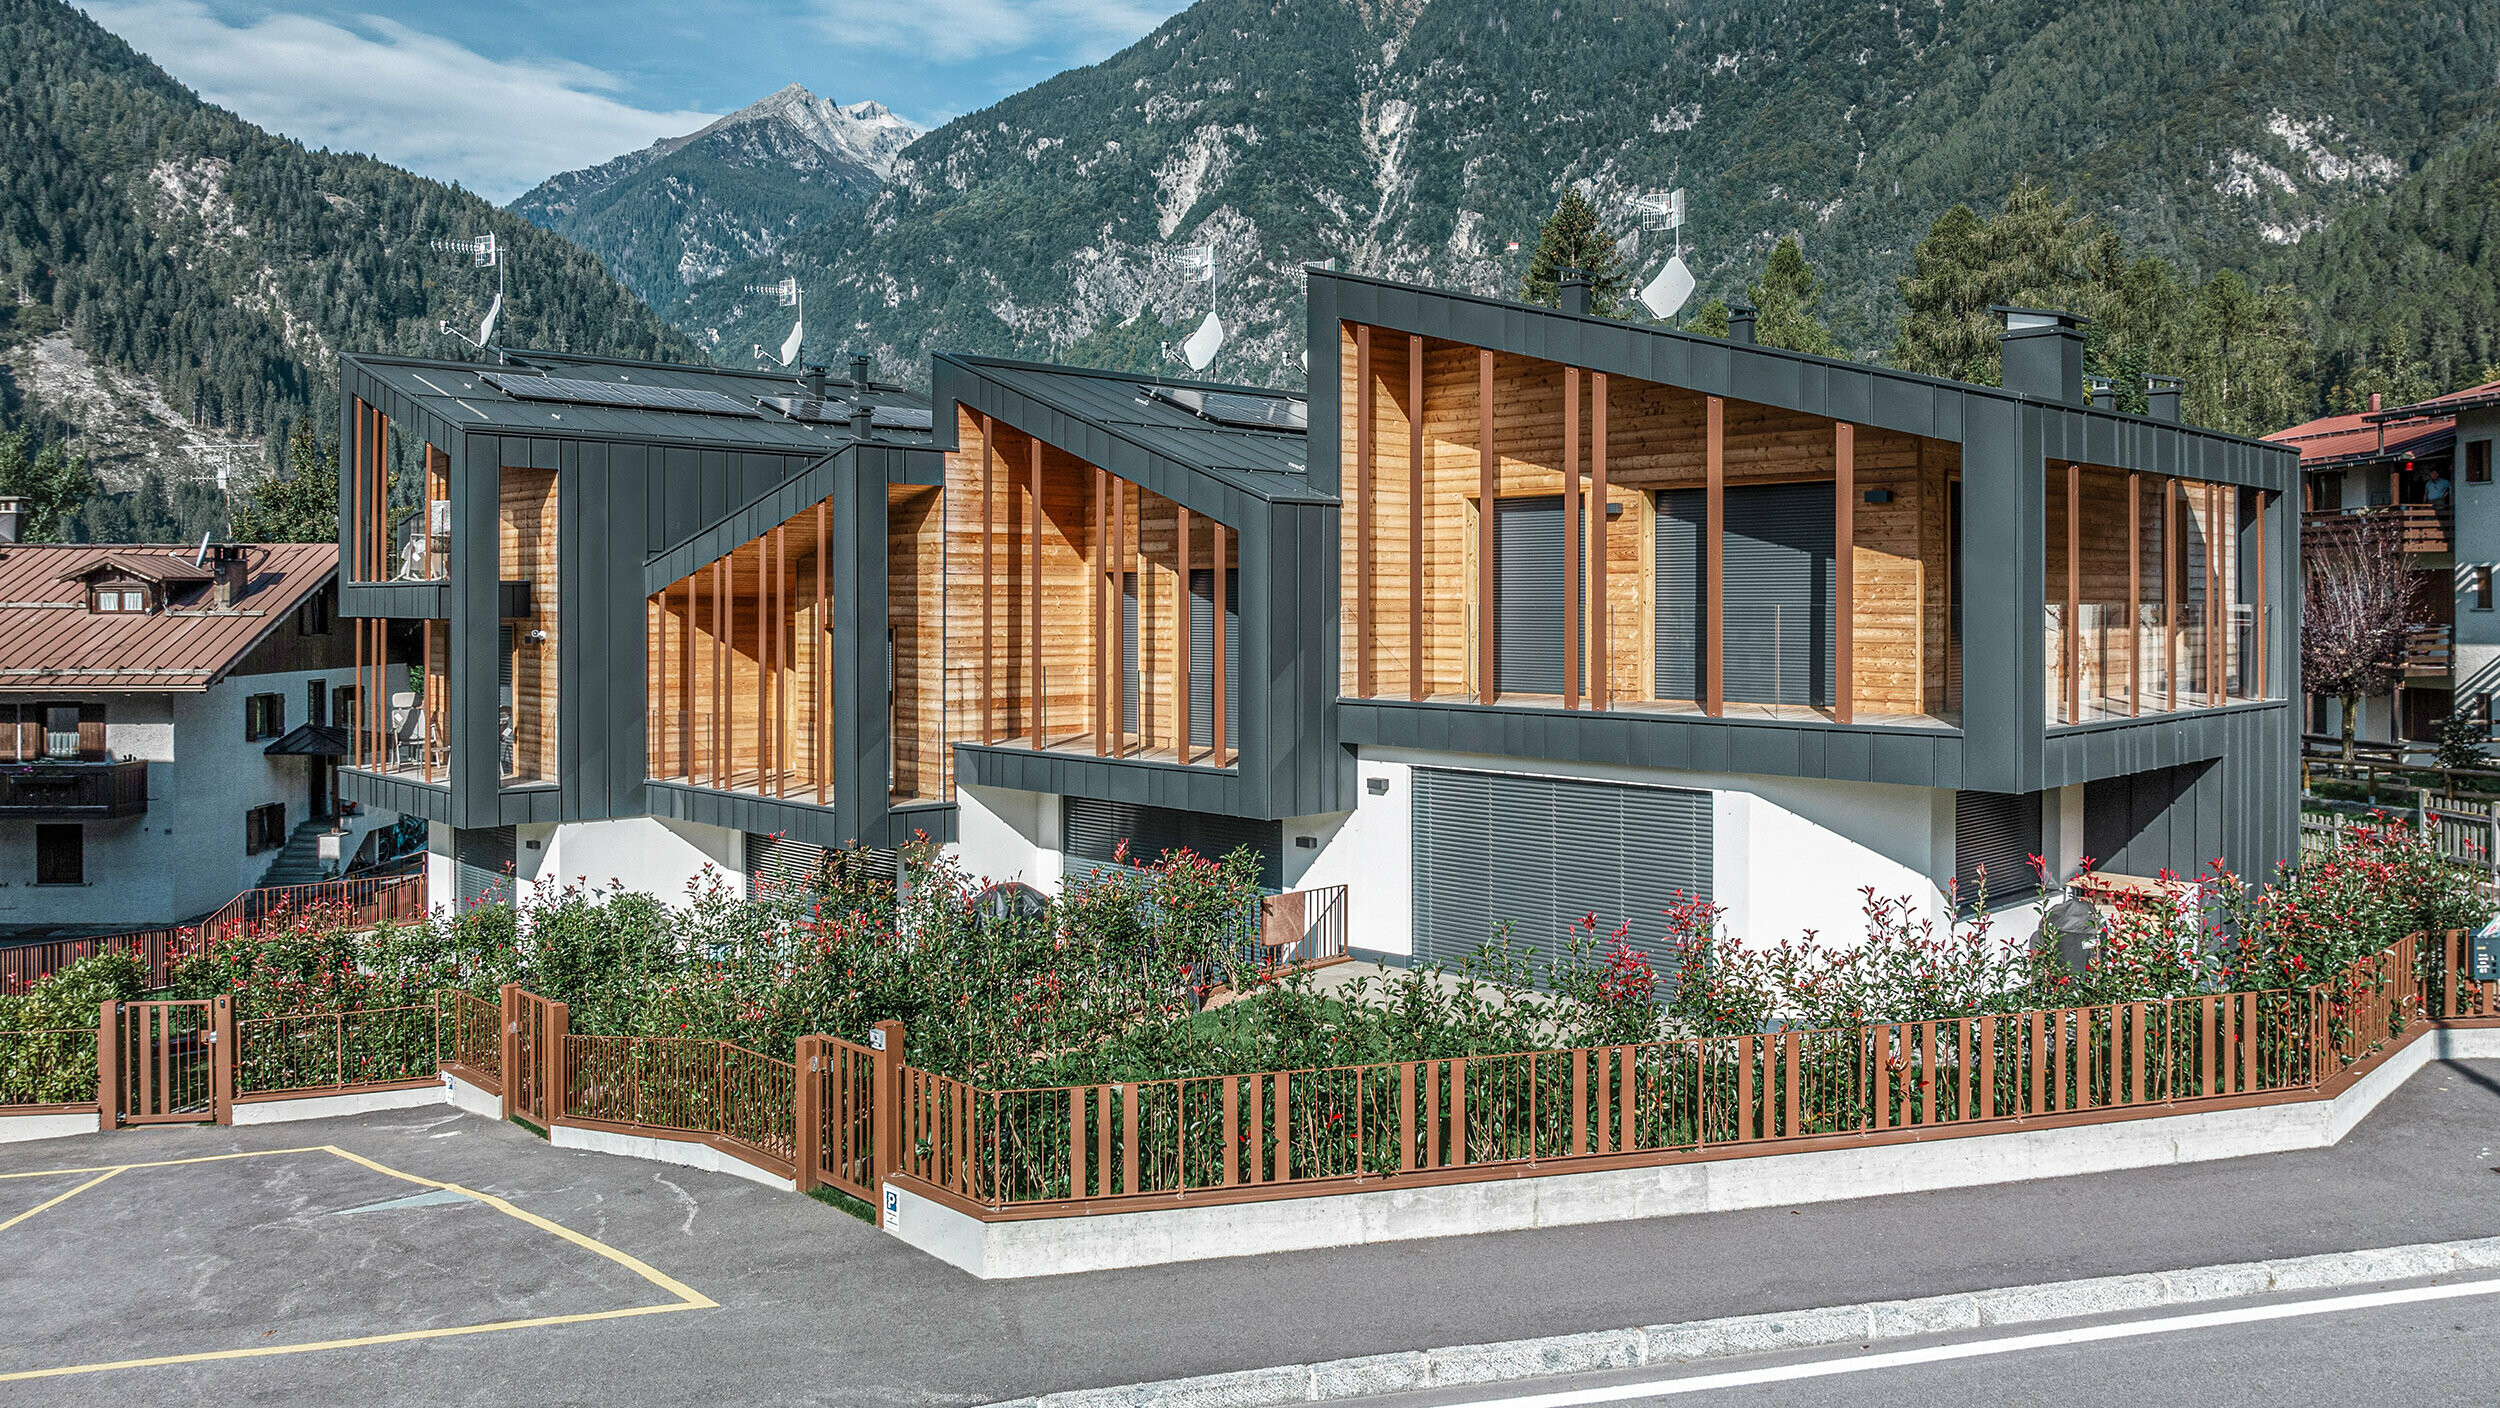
1069,600
1467,424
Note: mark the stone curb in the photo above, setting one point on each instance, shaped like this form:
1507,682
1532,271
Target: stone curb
1514,1360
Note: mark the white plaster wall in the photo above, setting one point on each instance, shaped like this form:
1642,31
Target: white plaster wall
2477,542
442,878
1002,834
186,856
1791,854
658,855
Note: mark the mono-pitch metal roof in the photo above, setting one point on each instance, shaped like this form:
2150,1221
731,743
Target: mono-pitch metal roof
1269,462
2361,438
465,396
51,642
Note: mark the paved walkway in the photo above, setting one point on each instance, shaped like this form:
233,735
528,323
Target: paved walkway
815,1307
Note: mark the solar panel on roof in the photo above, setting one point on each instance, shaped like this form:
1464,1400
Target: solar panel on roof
1239,408
808,408
615,393
899,418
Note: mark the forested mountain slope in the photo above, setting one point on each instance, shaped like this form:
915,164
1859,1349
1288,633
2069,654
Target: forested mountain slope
1417,139
181,281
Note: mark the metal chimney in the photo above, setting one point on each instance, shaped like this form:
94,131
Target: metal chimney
814,380
2104,394
1574,285
12,519
2161,397
2043,353
859,372
1740,318
862,420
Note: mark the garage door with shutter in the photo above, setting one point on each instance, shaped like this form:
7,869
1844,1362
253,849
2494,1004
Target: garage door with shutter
483,858
1541,853
1779,622
2001,832
1094,830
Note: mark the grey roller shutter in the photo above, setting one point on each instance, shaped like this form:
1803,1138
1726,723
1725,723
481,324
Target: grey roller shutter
1128,651
1202,657
787,865
483,858
1528,582
1538,854
1093,831
1778,623
2000,831
1681,515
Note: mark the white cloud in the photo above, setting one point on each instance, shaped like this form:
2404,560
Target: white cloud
411,98
951,31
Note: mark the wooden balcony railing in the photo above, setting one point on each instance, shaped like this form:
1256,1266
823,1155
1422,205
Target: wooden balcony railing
74,787
2423,528
2430,650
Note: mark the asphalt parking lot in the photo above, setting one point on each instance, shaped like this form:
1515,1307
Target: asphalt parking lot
440,1258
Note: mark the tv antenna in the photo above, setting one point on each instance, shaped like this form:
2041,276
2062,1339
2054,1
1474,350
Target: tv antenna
1200,347
483,254
1665,293
789,295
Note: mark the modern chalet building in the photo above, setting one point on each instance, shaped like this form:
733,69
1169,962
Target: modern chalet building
1531,615
2401,469
170,727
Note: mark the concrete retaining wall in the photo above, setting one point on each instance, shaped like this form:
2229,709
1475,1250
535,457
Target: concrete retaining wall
1055,1246
322,1107
17,1129
688,1152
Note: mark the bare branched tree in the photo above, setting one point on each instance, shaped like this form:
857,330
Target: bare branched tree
2358,611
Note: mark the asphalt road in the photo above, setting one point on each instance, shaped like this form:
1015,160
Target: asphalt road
2416,1355
815,1307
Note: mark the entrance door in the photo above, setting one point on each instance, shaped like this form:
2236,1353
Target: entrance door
163,1059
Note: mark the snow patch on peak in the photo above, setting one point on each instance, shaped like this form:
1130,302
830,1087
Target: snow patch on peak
866,132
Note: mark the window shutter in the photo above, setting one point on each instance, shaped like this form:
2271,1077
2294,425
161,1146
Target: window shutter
91,731
1092,831
1779,632
1681,516
1202,657
2001,831
484,858
1528,577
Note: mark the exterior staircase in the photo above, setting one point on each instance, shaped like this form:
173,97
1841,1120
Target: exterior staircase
299,862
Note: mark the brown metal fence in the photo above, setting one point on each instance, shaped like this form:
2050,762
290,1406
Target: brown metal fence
47,1069
359,903
738,1097
323,1052
470,1038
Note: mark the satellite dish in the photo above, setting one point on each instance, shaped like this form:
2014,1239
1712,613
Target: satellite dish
1203,344
790,344
494,310
1667,292
201,558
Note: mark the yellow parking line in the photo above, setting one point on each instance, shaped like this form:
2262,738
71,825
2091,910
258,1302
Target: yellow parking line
687,1297
63,1198
402,1337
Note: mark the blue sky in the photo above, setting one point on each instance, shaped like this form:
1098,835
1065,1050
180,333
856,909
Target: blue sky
500,94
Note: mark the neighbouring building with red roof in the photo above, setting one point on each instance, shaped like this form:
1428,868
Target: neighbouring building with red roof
2427,468
170,729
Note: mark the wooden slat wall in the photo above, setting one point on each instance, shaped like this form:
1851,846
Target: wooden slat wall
526,515
738,683
1654,441
915,558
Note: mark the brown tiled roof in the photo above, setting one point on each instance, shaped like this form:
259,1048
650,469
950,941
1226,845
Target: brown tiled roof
2362,438
50,641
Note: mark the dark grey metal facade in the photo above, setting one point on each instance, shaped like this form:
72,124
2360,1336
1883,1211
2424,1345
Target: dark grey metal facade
1284,684
2008,440
642,499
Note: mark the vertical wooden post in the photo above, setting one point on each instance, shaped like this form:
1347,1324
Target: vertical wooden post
1844,571
2073,655
108,1051
989,580
887,1041
821,685
1571,537
1180,634
1034,613
1119,613
364,709
1415,684
1216,701
2170,591
1487,487
808,1117
1100,549
1365,414
508,1053
2253,669
221,1056
2135,596
1601,613
2217,601
1713,531
558,1083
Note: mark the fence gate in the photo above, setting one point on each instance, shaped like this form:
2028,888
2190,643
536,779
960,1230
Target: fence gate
844,1075
163,1056
533,1041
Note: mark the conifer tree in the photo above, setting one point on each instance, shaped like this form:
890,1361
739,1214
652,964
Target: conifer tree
52,482
299,505
1785,296
1573,238
1709,320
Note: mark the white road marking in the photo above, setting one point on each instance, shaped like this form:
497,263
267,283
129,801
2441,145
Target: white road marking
1976,1349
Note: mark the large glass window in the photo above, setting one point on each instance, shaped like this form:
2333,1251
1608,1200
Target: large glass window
2155,594
526,700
